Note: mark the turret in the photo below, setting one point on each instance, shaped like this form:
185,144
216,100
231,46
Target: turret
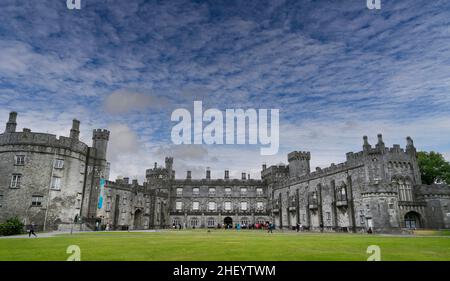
299,163
380,143
410,146
75,131
208,173
366,145
100,140
11,125
169,167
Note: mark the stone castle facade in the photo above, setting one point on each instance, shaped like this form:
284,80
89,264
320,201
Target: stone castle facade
53,182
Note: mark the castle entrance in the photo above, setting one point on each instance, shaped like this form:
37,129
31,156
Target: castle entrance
228,222
138,219
412,220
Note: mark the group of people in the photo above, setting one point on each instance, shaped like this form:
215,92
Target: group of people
178,226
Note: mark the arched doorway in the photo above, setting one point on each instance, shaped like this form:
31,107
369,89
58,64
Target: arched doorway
228,222
412,220
137,219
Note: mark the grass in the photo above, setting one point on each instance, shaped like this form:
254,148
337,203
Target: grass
200,245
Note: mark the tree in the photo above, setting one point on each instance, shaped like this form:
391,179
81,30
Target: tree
433,167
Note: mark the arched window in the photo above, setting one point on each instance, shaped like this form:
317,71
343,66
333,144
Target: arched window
408,191
404,190
342,193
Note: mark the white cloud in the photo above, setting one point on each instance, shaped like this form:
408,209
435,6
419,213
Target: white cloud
123,101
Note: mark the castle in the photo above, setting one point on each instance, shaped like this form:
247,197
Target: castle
54,182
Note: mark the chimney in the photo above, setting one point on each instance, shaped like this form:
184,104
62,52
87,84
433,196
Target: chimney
12,124
75,131
264,166
227,174
156,165
188,175
208,173
126,180
26,130
244,176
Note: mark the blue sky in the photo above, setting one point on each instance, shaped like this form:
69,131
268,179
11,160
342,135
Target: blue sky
336,70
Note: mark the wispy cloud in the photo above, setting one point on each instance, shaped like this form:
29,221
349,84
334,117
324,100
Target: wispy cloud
335,69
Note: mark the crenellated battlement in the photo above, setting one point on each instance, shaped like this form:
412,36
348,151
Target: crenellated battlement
100,134
299,155
352,156
42,139
72,143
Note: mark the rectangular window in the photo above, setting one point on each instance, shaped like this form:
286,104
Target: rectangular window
259,191
15,181
228,190
79,197
56,183
362,218
212,191
328,216
195,206
243,206
243,191
211,206
58,164
179,191
36,200
20,160
179,205
82,168
260,205
194,222
227,206
195,191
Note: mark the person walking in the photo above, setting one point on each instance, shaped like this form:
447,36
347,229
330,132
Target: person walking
32,230
270,228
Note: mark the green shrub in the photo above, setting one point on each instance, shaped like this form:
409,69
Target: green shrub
12,226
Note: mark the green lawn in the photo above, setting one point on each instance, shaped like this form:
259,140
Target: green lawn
175,245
